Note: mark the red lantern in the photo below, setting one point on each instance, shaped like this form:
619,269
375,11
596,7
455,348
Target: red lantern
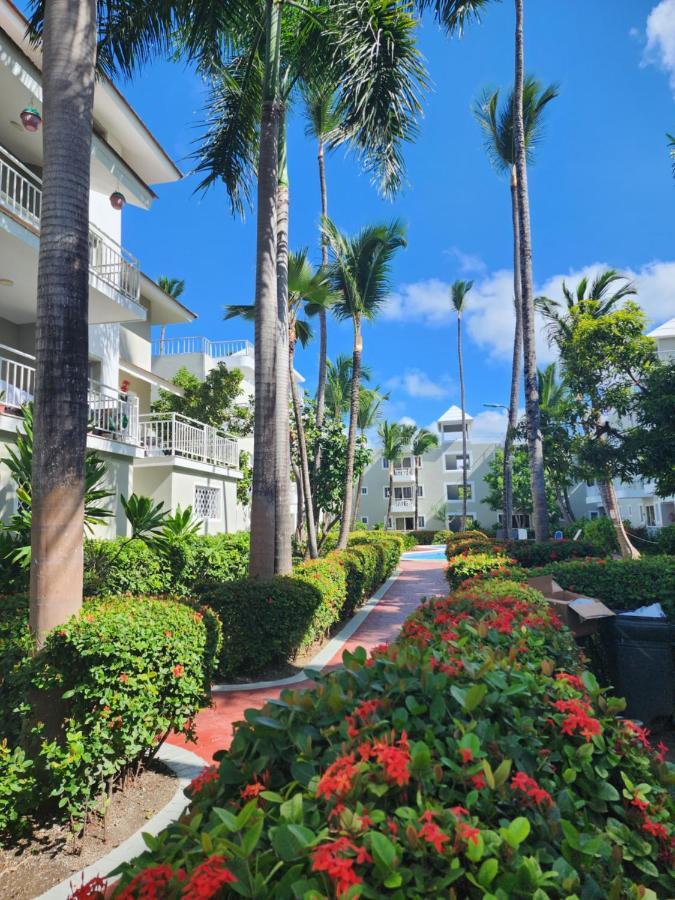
117,200
31,119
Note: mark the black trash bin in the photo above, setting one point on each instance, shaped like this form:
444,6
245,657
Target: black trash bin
639,653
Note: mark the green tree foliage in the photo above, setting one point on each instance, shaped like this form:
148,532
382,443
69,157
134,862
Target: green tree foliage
214,401
522,491
650,445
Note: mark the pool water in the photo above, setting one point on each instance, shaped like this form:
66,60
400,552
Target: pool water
418,555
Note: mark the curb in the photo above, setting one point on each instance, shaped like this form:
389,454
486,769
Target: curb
185,765
325,655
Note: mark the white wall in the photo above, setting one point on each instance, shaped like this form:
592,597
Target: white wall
104,217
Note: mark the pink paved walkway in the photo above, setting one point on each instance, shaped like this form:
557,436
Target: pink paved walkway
416,580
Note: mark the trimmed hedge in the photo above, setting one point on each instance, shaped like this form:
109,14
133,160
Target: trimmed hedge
271,621
471,758
470,564
531,553
106,690
186,567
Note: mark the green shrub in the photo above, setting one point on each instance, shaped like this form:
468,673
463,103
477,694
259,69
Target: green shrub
107,688
362,564
424,537
473,533
390,542
18,789
471,758
202,561
601,532
407,537
531,553
468,565
123,567
666,540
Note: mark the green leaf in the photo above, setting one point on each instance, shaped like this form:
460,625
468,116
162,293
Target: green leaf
393,880
502,772
488,872
291,810
517,831
226,817
289,841
606,791
475,696
384,852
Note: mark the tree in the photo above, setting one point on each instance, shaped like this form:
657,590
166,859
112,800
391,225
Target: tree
499,128
370,404
61,410
174,287
458,292
215,401
339,384
650,444
522,492
394,438
556,405
359,277
605,358
421,442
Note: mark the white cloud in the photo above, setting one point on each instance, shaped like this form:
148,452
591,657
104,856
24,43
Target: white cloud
489,426
467,262
416,383
489,317
660,30
407,420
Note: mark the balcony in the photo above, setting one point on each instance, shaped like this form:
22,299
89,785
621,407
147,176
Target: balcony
666,356
402,474
402,505
215,349
112,414
110,265
170,434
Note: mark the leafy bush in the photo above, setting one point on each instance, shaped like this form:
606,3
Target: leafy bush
362,564
108,687
471,758
408,538
123,567
390,542
666,540
424,537
531,553
468,565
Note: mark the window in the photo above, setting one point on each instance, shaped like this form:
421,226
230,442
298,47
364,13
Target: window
642,513
364,491
594,515
386,493
364,520
453,462
453,492
420,490
420,521
207,502
385,463
651,515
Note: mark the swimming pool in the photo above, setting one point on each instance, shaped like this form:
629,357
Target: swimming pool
434,552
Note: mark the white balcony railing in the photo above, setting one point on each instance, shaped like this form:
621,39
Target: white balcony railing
666,356
215,349
403,472
21,194
170,434
405,505
111,412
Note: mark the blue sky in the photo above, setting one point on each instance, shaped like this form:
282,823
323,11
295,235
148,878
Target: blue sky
601,193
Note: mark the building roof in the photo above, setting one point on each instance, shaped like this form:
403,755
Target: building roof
664,331
454,414
164,309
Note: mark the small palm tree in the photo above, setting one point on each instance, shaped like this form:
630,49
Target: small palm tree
458,292
339,384
370,403
500,144
359,277
394,438
174,287
422,441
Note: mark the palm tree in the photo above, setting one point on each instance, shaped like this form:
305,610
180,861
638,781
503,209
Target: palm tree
339,384
174,287
554,400
370,403
498,125
458,292
596,299
422,441
359,277
61,411
394,438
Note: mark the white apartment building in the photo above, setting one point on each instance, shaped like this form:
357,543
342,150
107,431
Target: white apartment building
637,499
440,478
166,457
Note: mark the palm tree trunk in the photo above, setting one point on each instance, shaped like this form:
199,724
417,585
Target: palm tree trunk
283,559
323,323
61,411
568,504
561,500
611,504
390,499
351,437
515,364
300,503
264,484
417,499
535,443
304,459
357,499
461,394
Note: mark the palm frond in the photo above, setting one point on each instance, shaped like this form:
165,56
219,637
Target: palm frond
458,291
240,311
454,15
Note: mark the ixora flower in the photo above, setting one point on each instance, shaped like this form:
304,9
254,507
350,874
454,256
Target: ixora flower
338,779
93,889
206,880
208,776
432,834
337,860
530,790
151,884
578,718
178,671
256,787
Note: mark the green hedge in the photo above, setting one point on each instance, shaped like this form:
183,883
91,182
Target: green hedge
531,553
472,758
391,543
106,689
470,564
185,567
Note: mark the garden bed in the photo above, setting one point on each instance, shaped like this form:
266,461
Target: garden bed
53,853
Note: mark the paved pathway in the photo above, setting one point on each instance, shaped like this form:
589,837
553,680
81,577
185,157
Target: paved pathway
416,580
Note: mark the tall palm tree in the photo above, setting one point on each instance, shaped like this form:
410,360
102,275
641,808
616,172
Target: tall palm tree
370,404
498,125
61,411
394,437
339,384
359,276
596,299
174,287
422,441
458,292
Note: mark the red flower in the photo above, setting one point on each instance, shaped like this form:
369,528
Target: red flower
431,833
662,750
478,781
124,678
467,833
458,811
394,759
578,718
530,789
467,754
91,890
207,879
178,671
573,680
256,787
640,804
338,779
150,884
656,829
332,859
207,776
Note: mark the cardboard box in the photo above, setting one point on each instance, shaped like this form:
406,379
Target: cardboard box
580,613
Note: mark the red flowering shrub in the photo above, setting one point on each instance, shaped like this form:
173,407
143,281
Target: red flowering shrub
533,553
471,757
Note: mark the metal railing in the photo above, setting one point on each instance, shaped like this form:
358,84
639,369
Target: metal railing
215,349
170,434
111,412
21,194
666,355
402,505
403,472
